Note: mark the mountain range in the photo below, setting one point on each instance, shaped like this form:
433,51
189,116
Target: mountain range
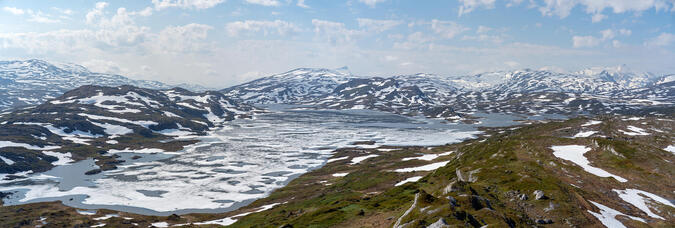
595,91
548,173
32,82
91,121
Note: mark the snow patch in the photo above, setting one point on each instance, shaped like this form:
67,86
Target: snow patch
112,129
670,148
27,146
141,151
634,131
339,174
428,157
64,158
229,220
575,154
639,199
584,134
591,123
160,224
7,160
607,216
357,160
429,167
411,179
336,159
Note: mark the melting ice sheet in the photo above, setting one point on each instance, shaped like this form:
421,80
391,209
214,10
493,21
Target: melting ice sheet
233,165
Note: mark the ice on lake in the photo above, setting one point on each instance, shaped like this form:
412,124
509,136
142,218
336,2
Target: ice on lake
234,164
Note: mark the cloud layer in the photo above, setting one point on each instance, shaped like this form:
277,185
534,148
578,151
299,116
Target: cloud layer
220,43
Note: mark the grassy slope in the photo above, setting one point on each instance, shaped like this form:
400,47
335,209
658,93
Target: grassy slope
506,166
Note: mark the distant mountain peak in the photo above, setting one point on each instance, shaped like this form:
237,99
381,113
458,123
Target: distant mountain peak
345,70
314,72
33,81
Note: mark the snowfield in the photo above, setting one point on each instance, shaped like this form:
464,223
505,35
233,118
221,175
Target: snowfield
638,198
607,216
357,160
64,158
428,157
27,146
633,131
411,179
254,157
584,134
575,154
591,123
340,174
429,167
670,148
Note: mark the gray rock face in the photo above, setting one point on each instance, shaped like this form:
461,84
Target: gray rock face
523,197
438,224
539,195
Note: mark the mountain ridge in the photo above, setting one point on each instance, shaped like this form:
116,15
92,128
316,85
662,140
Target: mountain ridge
598,92
32,82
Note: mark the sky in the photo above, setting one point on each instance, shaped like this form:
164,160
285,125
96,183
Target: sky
219,43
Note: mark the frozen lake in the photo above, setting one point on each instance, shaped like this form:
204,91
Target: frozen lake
235,164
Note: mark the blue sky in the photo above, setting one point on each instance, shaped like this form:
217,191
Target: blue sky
223,42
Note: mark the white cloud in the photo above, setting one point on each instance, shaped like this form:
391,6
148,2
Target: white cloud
390,58
186,4
266,27
104,66
96,12
555,69
34,16
625,32
117,34
469,5
334,32
371,3
447,29
585,41
512,64
264,2
40,17
483,29
598,17
301,3
12,10
120,30
372,25
562,8
485,38
414,40
616,44
63,11
182,39
513,3
145,12
664,39
605,35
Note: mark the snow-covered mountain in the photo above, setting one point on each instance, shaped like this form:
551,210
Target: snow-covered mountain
299,85
591,81
596,90
83,122
32,82
374,93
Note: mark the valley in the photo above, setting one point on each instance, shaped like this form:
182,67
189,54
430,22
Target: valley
324,148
